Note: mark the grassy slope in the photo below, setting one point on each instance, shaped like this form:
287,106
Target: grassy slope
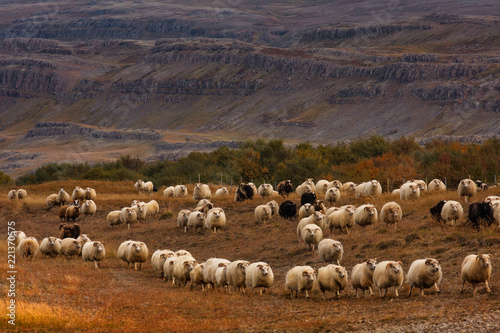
57,294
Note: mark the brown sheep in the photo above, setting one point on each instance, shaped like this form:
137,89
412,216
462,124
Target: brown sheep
69,230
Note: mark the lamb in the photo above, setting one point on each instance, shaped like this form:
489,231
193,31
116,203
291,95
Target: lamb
332,278
437,185
236,274
311,234
139,186
113,217
221,277
259,275
128,216
243,192
391,213
362,276
333,195
180,191
70,247
72,212
342,219
136,253
349,187
388,274
476,269
78,194
424,273
452,211
18,237
90,194
196,277
285,188
366,215
158,260
306,211
12,195
63,197
196,220
322,186
93,251
316,218
216,219
436,211
51,201
141,210
288,210
50,246
481,212
168,192
222,192
69,230
303,188
265,190
210,269
263,213
409,191
28,248
330,251
22,193
182,269
274,207
182,219
89,208
300,278
153,207
467,189
201,191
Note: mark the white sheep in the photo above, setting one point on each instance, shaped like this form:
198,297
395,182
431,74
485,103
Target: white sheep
196,277
216,219
63,197
83,239
236,274
312,234
70,247
476,269
265,190
259,275
158,260
182,219
300,278
263,213
168,269
121,253
306,210
371,188
148,187
113,217
302,189
322,186
333,195
349,187
18,237
136,253
310,182
316,218
78,194
168,192
210,269
452,211
341,219
203,202
332,278
409,191
222,193
182,269
89,208
28,248
424,273
181,253
436,185
362,276
221,277
22,193
50,246
12,195
90,194
94,252
201,191
467,189
366,215
391,213
330,251
153,207
128,216
388,274
396,192
51,201
139,186
336,183
180,191
274,207
141,210
492,198
422,186
196,220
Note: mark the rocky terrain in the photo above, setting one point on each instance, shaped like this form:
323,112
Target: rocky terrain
97,80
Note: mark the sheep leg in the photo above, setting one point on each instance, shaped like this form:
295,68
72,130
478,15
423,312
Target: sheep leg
474,290
396,291
437,289
462,289
260,291
411,288
421,291
307,294
487,286
338,294
291,294
356,290
324,297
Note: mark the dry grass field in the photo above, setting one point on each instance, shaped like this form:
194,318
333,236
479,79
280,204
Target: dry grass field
64,295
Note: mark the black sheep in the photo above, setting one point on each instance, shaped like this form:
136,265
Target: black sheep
244,192
436,210
309,198
481,211
288,209
285,188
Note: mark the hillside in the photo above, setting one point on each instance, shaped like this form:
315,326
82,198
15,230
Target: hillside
63,295
224,71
